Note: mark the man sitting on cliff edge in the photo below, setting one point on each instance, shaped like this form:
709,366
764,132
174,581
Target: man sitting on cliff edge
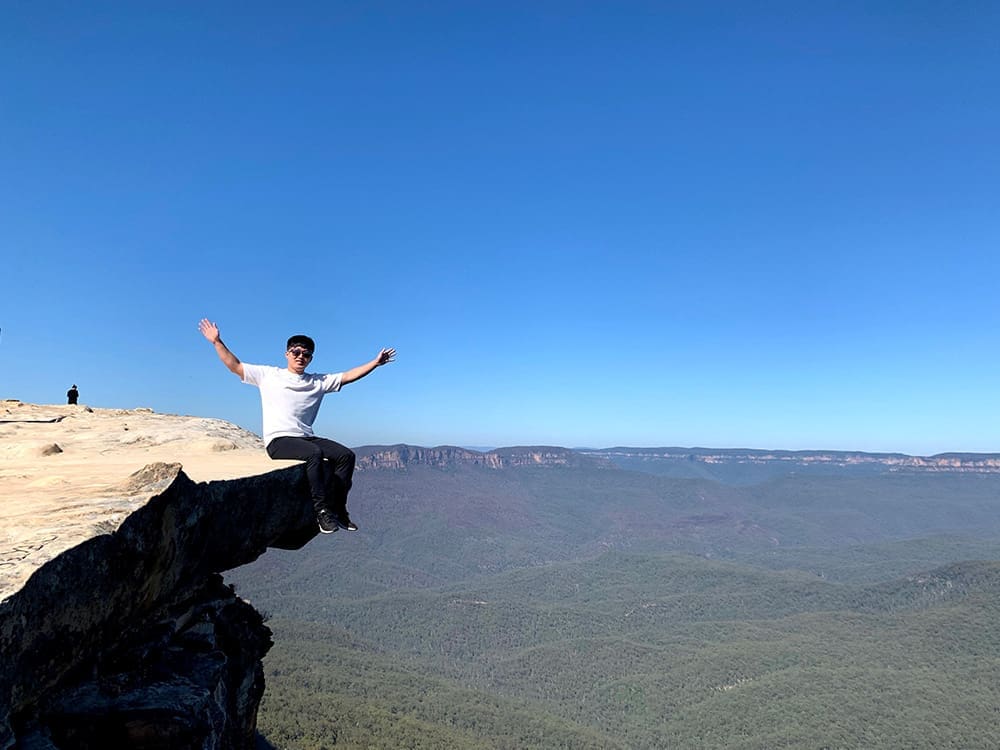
290,399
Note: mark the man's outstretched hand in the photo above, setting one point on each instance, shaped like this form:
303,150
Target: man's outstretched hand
386,356
209,330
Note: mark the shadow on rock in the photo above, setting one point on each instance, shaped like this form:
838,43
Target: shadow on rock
263,744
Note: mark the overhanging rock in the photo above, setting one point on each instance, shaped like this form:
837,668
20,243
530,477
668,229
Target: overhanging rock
140,612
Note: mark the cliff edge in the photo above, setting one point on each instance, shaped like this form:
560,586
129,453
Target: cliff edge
116,630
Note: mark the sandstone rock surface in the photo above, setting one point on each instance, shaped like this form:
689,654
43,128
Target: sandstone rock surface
115,628
53,500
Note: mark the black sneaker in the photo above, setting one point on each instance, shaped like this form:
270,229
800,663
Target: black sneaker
344,521
327,521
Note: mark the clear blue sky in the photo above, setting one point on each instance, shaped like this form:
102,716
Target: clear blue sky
767,225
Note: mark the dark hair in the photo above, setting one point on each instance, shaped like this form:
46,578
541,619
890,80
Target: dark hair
301,340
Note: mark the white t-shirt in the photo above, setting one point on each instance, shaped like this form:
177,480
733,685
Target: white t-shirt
289,402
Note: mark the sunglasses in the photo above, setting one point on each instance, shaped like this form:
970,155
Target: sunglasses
296,352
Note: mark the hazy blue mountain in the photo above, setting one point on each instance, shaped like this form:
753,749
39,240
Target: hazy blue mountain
749,466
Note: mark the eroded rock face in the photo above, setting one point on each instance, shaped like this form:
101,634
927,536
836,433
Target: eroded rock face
189,678
130,639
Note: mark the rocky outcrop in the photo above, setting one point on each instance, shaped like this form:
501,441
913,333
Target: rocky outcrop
131,639
68,473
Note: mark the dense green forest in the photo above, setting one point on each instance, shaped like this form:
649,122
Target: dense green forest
574,608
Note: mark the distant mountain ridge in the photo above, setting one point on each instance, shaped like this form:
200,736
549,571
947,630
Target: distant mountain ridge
401,456
444,456
949,462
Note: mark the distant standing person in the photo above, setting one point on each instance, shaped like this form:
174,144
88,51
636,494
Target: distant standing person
290,399
72,395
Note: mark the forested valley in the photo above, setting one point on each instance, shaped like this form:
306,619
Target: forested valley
597,607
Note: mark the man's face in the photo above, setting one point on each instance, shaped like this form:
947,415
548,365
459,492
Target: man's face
298,357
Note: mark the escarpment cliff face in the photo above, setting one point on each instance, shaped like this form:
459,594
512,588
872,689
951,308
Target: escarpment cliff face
130,639
942,463
403,456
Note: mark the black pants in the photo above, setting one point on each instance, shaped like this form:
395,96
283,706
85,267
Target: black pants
329,467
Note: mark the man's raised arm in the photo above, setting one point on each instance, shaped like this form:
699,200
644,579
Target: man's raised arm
356,373
211,332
